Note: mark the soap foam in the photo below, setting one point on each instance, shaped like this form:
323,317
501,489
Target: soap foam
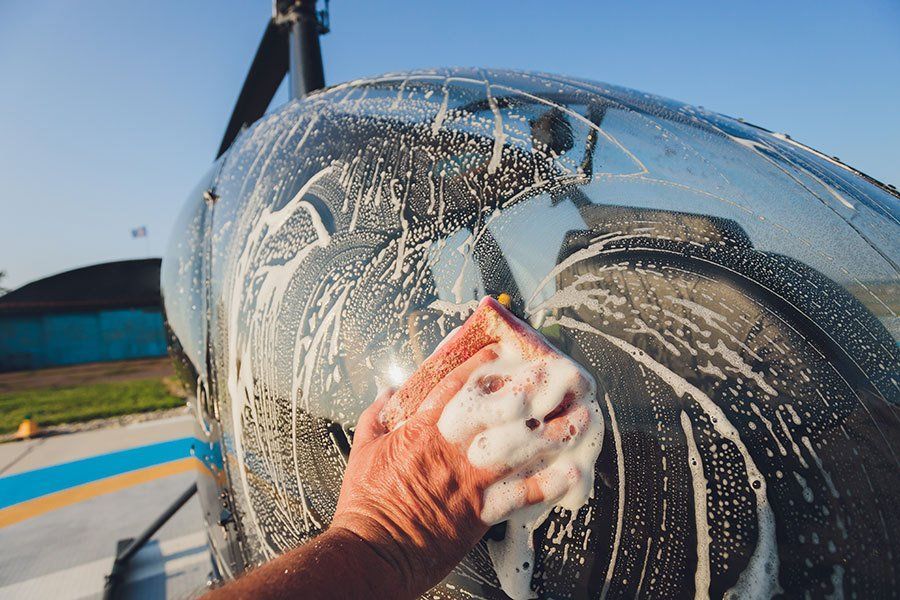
500,418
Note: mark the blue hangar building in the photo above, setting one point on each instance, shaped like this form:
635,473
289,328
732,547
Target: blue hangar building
105,312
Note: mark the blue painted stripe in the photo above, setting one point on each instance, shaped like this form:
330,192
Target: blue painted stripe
40,482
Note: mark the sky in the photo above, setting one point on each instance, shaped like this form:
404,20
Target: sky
111,111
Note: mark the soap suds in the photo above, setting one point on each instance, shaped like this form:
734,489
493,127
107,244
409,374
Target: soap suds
541,424
699,483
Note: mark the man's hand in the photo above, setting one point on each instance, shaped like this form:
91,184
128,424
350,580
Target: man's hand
410,493
411,502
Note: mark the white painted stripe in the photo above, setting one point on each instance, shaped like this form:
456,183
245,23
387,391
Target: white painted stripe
88,579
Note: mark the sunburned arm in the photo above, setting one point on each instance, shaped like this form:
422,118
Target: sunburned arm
337,564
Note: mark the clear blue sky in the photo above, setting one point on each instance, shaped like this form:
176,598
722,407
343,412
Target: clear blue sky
110,111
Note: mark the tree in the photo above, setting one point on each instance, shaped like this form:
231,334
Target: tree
3,290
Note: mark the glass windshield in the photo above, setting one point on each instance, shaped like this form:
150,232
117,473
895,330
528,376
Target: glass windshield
734,293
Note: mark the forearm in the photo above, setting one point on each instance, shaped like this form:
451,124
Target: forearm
337,564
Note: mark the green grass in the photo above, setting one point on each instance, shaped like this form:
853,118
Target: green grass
52,406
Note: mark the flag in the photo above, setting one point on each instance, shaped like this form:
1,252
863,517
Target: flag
139,232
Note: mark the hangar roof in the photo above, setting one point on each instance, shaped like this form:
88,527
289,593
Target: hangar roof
120,284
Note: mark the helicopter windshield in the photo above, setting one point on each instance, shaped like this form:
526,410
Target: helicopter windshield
734,293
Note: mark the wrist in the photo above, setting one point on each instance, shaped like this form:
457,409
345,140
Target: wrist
391,573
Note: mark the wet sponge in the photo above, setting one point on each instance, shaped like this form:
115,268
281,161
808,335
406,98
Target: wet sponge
490,323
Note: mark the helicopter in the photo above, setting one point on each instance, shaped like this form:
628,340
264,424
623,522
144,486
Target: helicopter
733,292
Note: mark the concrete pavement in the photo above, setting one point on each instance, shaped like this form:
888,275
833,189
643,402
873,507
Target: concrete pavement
64,551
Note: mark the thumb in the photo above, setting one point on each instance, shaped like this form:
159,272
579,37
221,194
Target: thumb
369,426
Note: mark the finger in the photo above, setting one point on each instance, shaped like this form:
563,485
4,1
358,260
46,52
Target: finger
567,425
507,448
453,382
548,485
567,377
516,445
551,483
369,426
501,499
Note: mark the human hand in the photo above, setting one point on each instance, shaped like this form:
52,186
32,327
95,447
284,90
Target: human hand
415,496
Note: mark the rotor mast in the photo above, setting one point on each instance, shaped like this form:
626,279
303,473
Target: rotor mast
289,46
305,26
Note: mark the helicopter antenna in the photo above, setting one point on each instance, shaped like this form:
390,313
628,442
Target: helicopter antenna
289,46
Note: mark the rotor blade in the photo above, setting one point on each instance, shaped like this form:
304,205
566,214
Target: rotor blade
268,69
